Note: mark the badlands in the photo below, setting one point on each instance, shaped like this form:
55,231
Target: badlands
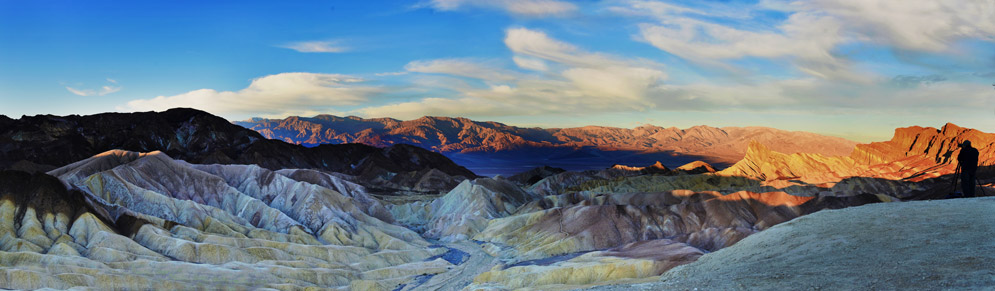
196,202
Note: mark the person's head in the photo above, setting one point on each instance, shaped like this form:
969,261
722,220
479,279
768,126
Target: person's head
966,144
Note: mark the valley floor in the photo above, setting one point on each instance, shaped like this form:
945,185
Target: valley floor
920,245
476,261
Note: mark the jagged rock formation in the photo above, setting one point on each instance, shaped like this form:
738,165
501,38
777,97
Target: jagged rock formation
142,219
655,169
461,135
914,154
938,244
696,167
465,210
47,141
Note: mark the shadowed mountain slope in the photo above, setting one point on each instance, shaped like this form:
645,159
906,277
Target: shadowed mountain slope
199,137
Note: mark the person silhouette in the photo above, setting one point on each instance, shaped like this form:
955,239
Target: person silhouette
967,161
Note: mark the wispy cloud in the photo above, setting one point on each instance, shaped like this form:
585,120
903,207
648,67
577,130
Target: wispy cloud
460,67
384,74
575,82
814,32
528,8
103,90
316,47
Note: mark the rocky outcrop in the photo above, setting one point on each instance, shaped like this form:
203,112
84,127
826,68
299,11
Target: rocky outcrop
198,137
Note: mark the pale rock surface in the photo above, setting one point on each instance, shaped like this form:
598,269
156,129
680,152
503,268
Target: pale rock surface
465,210
920,245
638,260
706,220
342,184
140,220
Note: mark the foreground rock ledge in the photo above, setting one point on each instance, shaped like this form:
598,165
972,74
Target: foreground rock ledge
923,245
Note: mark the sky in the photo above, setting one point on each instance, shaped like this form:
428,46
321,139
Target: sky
857,69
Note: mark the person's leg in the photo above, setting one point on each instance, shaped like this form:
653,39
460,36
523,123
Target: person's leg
967,183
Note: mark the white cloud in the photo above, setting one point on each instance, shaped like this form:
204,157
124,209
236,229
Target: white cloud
269,95
104,90
913,25
530,63
441,107
460,67
814,32
805,38
315,47
574,82
530,8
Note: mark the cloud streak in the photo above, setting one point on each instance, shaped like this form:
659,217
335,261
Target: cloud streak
460,67
315,47
574,82
814,33
527,8
103,90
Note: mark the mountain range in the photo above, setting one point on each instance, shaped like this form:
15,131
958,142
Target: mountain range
44,142
496,148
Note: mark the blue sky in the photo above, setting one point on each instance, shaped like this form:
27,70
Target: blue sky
850,68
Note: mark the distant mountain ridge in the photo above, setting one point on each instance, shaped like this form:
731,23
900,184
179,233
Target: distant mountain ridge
461,135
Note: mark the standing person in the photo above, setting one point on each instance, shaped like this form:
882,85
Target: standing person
967,160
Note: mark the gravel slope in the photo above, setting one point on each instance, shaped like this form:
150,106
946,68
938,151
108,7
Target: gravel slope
944,244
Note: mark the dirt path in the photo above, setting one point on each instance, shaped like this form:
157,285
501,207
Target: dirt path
461,275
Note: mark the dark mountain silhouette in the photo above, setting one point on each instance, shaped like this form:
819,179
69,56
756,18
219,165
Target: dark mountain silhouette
47,141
